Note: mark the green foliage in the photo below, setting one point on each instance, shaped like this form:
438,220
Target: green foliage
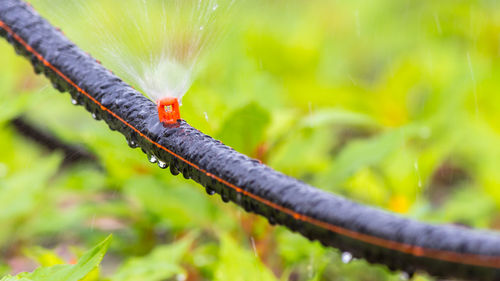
362,153
239,264
244,128
86,264
161,264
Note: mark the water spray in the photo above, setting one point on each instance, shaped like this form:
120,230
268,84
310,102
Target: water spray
158,46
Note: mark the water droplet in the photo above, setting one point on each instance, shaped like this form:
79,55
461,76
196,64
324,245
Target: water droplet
247,206
271,220
417,171
74,101
58,87
173,170
94,116
162,164
209,191
254,248
404,276
346,257
152,159
215,7
132,144
202,27
224,197
206,116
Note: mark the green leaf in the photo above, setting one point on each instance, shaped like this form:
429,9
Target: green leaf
150,194
244,129
23,196
362,153
239,264
162,263
87,263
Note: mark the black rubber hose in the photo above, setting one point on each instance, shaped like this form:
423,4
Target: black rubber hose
365,232
73,153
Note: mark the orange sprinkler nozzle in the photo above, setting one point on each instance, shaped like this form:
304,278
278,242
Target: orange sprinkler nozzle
168,110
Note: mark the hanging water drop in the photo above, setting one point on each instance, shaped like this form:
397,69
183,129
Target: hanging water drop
247,206
94,116
132,144
404,276
254,247
173,170
152,159
238,198
74,101
224,197
162,164
346,257
271,220
417,171
57,86
209,191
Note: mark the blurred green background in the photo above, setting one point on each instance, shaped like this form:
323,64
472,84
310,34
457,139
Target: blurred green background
393,104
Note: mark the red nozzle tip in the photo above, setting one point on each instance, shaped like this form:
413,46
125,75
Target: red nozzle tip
168,110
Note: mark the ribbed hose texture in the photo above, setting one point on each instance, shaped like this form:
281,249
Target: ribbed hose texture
375,235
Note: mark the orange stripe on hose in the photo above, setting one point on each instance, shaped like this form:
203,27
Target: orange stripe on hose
468,259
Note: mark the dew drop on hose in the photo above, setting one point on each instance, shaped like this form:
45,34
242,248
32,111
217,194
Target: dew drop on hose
209,191
238,198
162,164
152,159
271,221
346,257
173,170
132,144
